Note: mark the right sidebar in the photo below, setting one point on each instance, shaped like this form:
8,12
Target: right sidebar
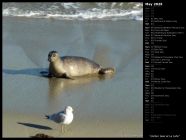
164,43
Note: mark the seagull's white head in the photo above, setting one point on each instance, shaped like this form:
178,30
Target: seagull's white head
69,109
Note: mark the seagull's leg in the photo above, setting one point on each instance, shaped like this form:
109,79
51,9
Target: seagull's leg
61,128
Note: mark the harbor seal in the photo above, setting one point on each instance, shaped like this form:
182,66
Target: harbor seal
74,66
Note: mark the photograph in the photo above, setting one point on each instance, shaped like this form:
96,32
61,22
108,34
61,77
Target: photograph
72,69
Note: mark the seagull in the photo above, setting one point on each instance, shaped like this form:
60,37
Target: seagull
63,117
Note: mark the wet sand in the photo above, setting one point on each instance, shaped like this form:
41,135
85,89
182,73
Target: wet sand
111,107
21,125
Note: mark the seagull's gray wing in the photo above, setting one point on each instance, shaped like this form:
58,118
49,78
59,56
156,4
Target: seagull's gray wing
62,116
58,117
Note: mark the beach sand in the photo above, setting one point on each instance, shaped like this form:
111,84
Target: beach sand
111,107
21,125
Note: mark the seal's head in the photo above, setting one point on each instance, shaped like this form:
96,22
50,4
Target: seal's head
53,56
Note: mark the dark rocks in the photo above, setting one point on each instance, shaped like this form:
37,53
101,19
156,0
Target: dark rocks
41,135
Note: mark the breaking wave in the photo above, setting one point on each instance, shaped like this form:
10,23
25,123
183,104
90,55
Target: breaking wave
76,11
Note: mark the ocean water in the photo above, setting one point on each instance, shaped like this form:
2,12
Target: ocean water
103,107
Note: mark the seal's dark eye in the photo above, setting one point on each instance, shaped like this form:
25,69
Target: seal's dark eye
54,55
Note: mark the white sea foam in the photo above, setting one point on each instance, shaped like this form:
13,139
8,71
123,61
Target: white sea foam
77,11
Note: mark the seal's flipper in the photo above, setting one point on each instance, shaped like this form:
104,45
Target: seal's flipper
103,71
66,76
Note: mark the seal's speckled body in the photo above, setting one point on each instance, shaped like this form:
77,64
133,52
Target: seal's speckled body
73,66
